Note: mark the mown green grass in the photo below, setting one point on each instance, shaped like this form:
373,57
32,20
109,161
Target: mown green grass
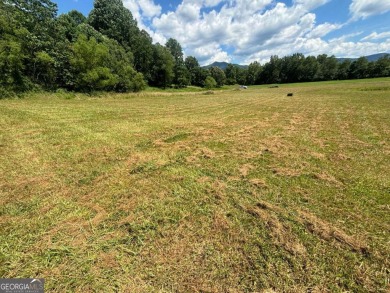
238,191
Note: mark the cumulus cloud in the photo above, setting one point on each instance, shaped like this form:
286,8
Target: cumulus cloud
323,29
253,30
311,4
364,9
209,53
142,9
376,36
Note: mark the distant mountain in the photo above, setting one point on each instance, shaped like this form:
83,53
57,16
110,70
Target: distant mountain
370,58
223,65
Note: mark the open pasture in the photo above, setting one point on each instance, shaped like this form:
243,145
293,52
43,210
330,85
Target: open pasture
236,191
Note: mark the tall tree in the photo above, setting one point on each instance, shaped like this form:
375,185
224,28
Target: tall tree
40,43
219,75
359,68
112,19
271,71
181,74
163,63
88,60
254,70
176,50
309,68
382,67
242,75
327,67
231,74
343,70
192,66
142,49
11,55
67,24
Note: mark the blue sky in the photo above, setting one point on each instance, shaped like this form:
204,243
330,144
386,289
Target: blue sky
243,31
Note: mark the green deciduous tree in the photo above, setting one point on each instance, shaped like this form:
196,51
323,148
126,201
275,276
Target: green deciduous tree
176,50
210,83
381,67
231,74
253,73
12,57
162,71
88,61
113,20
359,68
67,24
271,70
181,74
219,75
327,69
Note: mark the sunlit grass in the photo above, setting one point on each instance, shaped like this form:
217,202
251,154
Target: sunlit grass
236,191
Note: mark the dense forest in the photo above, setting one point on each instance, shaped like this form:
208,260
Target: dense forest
106,51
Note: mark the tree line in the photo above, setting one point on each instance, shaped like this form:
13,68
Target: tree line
107,51
104,51
298,68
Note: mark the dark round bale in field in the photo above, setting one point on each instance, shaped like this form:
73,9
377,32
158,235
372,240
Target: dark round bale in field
290,94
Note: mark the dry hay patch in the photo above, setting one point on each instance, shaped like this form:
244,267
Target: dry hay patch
106,260
100,215
77,229
219,189
280,232
203,179
205,133
328,232
276,146
339,157
317,155
260,183
245,169
74,229
289,172
328,178
242,133
220,221
201,153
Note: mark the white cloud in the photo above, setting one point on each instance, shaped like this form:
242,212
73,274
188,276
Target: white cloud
211,3
364,9
149,9
188,12
142,9
311,4
209,53
253,29
376,36
323,29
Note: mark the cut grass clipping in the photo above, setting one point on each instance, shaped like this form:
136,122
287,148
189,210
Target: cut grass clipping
239,191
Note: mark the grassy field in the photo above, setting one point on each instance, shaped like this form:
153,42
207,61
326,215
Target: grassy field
236,191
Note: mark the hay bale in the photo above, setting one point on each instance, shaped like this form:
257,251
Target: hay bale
290,94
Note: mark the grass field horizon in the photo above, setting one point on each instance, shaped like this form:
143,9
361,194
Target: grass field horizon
175,191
